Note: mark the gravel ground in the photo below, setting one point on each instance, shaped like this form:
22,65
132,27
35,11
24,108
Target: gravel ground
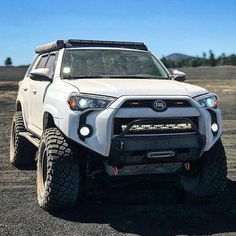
149,209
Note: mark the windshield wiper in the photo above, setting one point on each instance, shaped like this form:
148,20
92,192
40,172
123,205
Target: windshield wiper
144,76
85,77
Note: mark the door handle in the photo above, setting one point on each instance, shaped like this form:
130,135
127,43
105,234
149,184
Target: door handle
25,89
34,91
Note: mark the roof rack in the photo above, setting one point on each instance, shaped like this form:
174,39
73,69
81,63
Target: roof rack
59,44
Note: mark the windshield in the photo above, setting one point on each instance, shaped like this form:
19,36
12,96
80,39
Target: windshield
110,63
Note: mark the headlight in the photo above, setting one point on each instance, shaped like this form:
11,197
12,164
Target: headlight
81,103
209,102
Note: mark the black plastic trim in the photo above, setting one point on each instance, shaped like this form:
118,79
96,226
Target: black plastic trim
213,119
82,122
149,103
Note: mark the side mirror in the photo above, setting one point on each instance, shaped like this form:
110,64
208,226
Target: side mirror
41,74
179,75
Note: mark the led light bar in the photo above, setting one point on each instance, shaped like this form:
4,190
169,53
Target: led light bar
159,127
101,43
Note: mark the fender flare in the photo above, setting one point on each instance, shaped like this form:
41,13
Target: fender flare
49,109
19,100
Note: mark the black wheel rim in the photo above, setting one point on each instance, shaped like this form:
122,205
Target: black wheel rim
44,167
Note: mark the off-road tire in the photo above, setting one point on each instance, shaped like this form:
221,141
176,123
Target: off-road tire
57,172
212,174
22,152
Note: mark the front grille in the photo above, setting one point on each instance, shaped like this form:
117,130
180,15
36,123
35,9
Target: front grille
155,126
148,103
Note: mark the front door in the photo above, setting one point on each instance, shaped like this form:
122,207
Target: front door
38,90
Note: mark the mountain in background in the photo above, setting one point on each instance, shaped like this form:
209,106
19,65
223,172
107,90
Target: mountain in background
177,56
177,60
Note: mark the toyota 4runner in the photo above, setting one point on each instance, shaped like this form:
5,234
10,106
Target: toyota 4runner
88,107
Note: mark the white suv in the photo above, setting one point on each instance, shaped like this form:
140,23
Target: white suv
112,108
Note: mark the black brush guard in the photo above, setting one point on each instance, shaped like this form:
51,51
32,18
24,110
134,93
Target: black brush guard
135,150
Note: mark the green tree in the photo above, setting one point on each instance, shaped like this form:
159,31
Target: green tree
179,63
8,61
232,59
203,60
212,60
204,55
222,60
165,62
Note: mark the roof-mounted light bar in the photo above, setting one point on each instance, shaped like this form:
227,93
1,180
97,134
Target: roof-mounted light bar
100,43
53,46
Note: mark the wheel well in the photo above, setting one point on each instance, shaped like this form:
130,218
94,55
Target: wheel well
48,121
18,106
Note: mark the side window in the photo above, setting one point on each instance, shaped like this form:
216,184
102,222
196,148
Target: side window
42,62
51,64
31,66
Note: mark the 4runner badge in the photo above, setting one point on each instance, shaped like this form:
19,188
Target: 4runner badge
159,105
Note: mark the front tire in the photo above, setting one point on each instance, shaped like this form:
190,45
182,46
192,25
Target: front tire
211,174
57,172
22,152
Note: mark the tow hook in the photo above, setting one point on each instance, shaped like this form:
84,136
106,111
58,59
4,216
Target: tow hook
115,170
186,166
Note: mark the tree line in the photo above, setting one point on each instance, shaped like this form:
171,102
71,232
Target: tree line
205,60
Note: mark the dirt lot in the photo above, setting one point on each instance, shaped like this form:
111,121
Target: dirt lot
154,209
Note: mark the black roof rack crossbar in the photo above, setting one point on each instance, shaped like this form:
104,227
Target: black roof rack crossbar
56,45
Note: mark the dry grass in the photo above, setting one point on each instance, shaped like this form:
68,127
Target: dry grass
12,73
210,73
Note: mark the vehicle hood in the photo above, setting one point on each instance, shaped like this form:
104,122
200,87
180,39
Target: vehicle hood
136,87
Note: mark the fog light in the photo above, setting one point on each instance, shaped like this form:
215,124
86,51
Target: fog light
85,131
214,127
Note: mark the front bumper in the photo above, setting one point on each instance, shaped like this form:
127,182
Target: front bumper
135,150
102,140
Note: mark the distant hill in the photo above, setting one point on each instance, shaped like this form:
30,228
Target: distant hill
177,56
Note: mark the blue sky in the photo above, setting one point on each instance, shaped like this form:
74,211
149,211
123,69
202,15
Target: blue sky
166,26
